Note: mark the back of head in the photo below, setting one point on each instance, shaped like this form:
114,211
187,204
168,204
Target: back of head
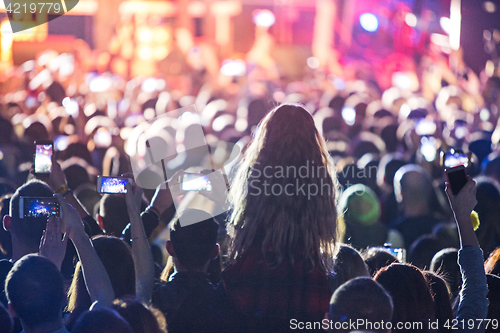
28,230
445,264
410,294
388,166
194,243
137,315
412,183
494,298
361,298
101,321
284,192
441,296
423,249
76,176
114,214
117,259
348,264
34,287
376,259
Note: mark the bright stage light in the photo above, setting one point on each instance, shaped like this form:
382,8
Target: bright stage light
489,6
233,67
313,62
411,20
263,18
369,22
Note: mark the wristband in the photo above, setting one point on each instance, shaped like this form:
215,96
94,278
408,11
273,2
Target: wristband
62,189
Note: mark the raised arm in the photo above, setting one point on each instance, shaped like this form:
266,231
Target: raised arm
141,252
96,278
473,302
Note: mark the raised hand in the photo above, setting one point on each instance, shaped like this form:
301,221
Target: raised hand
53,244
72,223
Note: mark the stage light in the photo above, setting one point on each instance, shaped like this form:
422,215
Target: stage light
313,62
263,18
369,22
490,7
445,23
233,67
411,20
145,52
71,106
349,115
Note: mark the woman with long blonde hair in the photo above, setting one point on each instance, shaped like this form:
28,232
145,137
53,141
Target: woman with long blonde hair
283,223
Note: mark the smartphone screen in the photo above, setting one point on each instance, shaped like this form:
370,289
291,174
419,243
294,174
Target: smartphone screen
457,178
43,157
399,253
195,182
38,207
112,184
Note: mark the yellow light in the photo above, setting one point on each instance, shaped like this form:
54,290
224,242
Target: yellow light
144,35
160,53
6,40
145,52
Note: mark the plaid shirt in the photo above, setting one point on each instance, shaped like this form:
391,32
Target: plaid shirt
286,292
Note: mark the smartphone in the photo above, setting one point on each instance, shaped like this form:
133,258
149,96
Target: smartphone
457,177
195,182
38,207
43,157
453,159
112,184
399,253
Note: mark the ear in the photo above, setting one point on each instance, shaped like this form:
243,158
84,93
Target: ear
170,249
11,310
215,252
99,220
6,222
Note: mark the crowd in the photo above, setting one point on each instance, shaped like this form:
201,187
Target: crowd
334,213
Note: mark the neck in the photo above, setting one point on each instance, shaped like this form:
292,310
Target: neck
183,269
44,327
19,249
416,209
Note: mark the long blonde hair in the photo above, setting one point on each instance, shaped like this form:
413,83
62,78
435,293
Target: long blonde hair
294,216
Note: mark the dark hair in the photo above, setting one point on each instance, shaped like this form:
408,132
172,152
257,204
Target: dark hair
117,259
492,264
29,230
6,322
376,259
113,210
194,243
410,294
35,289
445,264
76,176
494,298
347,265
441,296
101,321
361,298
140,318
423,249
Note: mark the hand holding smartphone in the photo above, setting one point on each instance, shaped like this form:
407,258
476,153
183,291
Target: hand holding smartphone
37,207
457,178
112,185
43,157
